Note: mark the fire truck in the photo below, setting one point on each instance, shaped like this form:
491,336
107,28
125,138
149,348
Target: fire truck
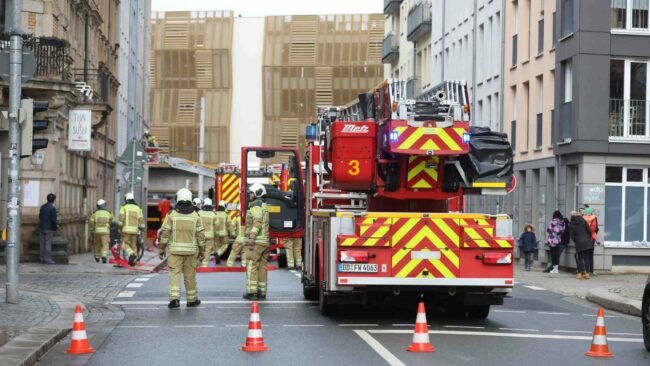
383,203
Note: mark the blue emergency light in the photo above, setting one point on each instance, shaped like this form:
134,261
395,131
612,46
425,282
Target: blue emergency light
312,133
466,137
394,136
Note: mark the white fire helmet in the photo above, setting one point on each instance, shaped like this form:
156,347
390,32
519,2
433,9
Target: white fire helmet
258,190
101,202
222,203
183,194
129,196
207,202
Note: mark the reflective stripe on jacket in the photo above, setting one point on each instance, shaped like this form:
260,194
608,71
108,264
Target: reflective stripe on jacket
237,229
257,222
221,228
209,220
100,222
183,233
130,219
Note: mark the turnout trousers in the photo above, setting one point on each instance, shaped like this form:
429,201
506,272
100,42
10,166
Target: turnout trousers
184,265
256,269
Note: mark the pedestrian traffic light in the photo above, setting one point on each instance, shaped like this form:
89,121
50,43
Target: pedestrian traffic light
31,126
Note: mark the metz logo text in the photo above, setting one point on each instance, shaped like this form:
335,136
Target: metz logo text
355,129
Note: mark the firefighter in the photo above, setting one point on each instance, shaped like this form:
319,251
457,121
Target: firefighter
100,228
209,221
130,223
237,232
221,231
183,233
197,204
257,235
293,246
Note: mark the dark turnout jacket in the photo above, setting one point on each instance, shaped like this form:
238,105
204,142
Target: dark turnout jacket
47,217
581,234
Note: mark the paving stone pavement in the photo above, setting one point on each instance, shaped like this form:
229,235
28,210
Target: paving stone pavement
631,291
34,310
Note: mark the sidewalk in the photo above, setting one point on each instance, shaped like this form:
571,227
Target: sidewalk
619,292
48,295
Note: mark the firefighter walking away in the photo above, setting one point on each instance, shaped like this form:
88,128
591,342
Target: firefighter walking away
237,230
257,233
100,227
130,223
209,221
182,234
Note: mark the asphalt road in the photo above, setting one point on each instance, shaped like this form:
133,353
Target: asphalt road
535,325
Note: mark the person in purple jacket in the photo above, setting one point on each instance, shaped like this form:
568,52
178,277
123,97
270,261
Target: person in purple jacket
555,230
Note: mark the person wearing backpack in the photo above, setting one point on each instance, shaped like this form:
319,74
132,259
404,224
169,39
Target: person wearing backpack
528,245
581,236
592,222
555,230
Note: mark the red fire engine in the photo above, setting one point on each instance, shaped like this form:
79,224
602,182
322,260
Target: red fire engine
383,218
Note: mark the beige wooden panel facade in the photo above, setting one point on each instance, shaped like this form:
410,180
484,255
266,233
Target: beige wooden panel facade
316,60
191,57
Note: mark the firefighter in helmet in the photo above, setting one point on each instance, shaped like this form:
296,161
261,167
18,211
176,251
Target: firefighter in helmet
236,230
197,204
130,223
100,227
221,231
257,248
182,234
209,221
293,246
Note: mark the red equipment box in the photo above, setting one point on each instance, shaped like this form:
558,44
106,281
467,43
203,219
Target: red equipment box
354,145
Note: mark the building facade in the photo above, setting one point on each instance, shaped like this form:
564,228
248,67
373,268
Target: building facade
75,45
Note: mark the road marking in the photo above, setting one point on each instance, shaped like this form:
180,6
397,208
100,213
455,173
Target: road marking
138,326
232,307
462,327
403,325
520,329
517,283
143,279
594,315
150,275
377,347
134,285
141,308
128,294
626,334
551,313
509,335
536,288
278,307
238,325
358,325
573,331
214,302
509,311
303,325
194,326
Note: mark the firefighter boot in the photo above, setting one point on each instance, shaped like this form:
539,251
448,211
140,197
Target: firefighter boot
132,260
260,295
193,303
174,304
104,260
248,296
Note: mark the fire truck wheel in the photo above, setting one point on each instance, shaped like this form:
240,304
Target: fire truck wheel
309,292
326,309
456,310
478,311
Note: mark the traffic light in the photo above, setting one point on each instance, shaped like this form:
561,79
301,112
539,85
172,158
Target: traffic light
31,126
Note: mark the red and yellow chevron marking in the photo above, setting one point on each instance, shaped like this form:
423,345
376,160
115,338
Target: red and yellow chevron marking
373,227
422,235
420,140
229,191
355,241
480,234
422,172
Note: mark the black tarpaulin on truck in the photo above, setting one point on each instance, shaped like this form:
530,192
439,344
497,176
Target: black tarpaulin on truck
490,157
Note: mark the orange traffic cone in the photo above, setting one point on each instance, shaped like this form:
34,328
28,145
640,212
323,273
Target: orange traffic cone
421,333
599,346
79,343
255,341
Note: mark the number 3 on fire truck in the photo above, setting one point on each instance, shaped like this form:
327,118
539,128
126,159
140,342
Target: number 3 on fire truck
354,167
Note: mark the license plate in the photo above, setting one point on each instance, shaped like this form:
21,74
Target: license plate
359,267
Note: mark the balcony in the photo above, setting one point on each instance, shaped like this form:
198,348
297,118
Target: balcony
52,56
94,84
390,48
628,120
391,6
419,22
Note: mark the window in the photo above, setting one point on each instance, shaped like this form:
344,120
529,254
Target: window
481,39
540,36
628,99
2,16
514,50
540,112
566,110
567,17
629,15
568,81
554,29
627,195
527,114
513,126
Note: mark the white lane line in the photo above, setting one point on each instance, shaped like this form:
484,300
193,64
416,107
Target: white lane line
142,279
595,315
626,334
551,313
138,326
150,275
127,294
517,283
303,325
278,307
403,325
232,307
377,347
536,288
358,325
520,329
509,335
462,327
212,302
141,308
194,326
573,331
509,311
134,285
238,325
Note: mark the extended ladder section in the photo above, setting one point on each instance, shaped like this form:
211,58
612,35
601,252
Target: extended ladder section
188,166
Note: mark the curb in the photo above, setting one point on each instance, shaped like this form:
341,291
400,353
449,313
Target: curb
609,300
29,347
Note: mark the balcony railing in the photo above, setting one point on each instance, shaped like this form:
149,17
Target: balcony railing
419,21
52,56
93,84
391,6
390,48
628,118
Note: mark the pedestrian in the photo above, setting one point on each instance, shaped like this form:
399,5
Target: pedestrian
554,231
47,226
100,227
182,234
130,224
581,236
592,222
209,221
236,231
528,245
257,232
221,231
